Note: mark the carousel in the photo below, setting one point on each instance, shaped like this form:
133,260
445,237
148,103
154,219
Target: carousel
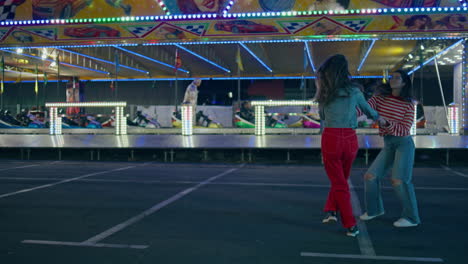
91,76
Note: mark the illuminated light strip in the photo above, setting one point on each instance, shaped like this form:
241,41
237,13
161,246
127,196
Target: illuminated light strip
203,58
421,38
62,63
87,104
168,17
105,61
228,7
365,56
255,56
436,56
283,102
163,7
464,85
320,38
309,56
151,59
214,78
325,39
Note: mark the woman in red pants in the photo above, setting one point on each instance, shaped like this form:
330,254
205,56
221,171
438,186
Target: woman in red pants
338,99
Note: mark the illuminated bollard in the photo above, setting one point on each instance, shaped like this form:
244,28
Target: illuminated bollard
259,120
453,118
187,120
120,124
58,126
53,121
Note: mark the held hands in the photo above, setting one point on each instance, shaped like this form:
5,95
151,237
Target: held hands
382,122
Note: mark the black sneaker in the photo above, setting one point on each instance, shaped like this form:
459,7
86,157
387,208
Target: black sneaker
330,216
352,231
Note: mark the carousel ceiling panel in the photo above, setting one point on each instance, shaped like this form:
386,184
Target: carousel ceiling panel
203,60
452,57
386,55
219,60
350,49
26,62
156,60
288,58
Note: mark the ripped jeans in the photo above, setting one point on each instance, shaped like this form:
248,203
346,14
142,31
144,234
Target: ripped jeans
399,153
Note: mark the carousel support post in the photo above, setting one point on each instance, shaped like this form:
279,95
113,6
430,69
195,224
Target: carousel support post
117,66
304,88
240,67
441,91
238,88
176,88
172,155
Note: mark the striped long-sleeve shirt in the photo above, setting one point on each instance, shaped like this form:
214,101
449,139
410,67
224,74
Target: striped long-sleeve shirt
398,113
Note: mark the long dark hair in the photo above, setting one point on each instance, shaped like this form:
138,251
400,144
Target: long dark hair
406,91
331,76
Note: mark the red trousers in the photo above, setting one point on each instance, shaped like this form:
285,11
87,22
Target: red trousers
339,149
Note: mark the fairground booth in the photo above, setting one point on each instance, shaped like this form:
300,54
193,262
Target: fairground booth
108,79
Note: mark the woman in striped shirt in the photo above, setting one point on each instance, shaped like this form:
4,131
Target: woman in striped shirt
396,106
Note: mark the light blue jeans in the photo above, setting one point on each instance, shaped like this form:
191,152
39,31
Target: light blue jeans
399,153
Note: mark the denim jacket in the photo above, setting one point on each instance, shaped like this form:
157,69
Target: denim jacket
341,111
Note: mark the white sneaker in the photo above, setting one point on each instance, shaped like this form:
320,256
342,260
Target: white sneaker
402,222
366,217
331,216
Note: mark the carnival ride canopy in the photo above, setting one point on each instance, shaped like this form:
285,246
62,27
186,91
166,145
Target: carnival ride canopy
259,38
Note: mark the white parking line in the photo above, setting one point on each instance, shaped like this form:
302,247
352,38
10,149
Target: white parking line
82,244
63,181
155,208
364,241
93,241
20,167
454,172
350,256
